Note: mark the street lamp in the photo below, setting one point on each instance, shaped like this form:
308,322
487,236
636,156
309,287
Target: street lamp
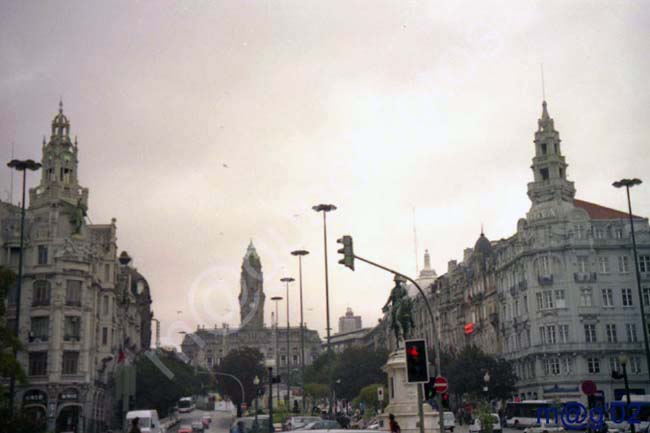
288,280
486,379
327,208
338,382
19,165
622,359
256,382
300,254
276,299
628,183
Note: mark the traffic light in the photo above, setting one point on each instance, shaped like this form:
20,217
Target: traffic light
276,379
430,389
417,365
445,401
347,251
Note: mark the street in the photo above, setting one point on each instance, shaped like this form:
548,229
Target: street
220,421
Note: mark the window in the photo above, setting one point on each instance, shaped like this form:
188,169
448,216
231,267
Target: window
104,336
586,299
614,365
107,273
610,329
635,365
283,359
548,299
295,360
559,298
644,263
540,302
645,292
543,148
590,333
627,297
550,334
41,294
580,231
542,334
105,305
555,366
618,233
593,365
515,307
608,297
526,303
545,266
73,292
623,264
599,233
70,362
72,328
40,328
37,363
567,366
42,255
630,332
544,173
564,333
603,265
582,264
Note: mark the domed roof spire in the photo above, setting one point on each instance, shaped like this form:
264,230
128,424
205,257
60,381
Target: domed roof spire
61,125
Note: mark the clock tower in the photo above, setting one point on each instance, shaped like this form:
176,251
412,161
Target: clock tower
251,297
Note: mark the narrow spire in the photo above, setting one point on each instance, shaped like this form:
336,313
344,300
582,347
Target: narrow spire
541,67
545,115
482,233
60,104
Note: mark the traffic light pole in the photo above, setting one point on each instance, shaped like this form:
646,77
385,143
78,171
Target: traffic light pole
420,410
436,345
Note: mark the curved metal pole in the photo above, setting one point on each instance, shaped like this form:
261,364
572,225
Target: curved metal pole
241,386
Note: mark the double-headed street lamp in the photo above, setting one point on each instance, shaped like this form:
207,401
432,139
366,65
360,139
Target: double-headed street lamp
277,299
622,359
628,183
20,165
288,280
327,208
300,254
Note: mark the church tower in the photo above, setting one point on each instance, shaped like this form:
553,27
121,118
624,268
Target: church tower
251,297
550,183
59,180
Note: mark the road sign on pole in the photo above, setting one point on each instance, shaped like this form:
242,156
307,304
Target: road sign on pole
441,384
588,387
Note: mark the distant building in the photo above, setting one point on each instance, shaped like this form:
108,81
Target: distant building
349,322
84,311
207,347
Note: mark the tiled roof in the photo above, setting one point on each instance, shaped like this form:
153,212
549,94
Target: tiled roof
598,212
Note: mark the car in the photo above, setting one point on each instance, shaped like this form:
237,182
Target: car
297,422
475,426
197,427
185,428
323,424
450,421
207,420
147,420
262,420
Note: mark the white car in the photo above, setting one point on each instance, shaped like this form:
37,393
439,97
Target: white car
449,420
475,427
147,420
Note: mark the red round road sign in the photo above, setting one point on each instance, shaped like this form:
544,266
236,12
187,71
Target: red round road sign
588,387
441,384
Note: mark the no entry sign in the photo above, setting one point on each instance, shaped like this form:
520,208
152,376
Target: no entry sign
441,384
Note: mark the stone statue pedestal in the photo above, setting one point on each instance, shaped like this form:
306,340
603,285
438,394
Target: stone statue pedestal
403,398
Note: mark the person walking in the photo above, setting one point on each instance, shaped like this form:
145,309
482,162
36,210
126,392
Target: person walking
135,426
394,426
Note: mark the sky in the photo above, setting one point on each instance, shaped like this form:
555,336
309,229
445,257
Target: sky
205,124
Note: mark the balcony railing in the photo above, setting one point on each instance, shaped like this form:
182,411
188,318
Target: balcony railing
545,280
75,338
71,303
585,277
40,302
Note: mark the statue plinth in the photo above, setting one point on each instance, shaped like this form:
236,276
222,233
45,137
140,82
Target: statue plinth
403,398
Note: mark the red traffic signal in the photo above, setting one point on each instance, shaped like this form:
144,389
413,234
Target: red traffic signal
417,364
469,328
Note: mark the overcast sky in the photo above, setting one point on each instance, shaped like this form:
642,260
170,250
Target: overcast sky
379,107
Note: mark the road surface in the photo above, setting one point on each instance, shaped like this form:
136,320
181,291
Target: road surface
220,421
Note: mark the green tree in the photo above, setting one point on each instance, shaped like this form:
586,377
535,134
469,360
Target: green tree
368,396
316,390
244,364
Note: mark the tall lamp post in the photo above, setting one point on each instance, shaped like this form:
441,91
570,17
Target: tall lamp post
288,280
20,165
300,254
622,359
628,183
276,299
256,382
327,208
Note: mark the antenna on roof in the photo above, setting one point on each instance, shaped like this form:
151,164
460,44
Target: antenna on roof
541,67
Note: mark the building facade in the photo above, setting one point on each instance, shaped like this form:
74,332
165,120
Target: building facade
207,347
349,322
78,307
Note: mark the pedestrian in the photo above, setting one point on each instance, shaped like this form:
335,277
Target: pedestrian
394,426
135,426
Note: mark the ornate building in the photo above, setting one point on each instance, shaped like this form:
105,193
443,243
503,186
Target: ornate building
207,347
79,306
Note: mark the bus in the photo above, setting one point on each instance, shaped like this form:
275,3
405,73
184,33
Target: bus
186,404
524,414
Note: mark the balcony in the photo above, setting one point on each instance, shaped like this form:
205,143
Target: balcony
585,277
545,280
72,338
70,303
40,302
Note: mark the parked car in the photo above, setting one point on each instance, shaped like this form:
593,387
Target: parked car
323,424
197,427
475,426
450,421
297,422
147,420
185,428
262,420
207,420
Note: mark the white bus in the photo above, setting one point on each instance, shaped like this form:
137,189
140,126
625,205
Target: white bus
524,413
186,404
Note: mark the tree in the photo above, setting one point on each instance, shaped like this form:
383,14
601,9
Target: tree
465,371
9,365
316,390
368,396
244,364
